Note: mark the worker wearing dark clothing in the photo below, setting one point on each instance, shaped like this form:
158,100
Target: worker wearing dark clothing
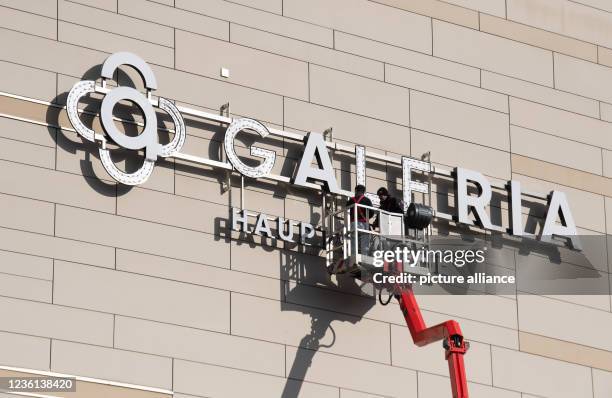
363,217
387,203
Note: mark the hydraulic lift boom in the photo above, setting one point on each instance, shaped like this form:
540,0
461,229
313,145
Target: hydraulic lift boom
449,332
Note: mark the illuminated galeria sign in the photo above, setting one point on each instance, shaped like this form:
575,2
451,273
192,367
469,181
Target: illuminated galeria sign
307,176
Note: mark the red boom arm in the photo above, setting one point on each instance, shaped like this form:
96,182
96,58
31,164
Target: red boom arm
449,332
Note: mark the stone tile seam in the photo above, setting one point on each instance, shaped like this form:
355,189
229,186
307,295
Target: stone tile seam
471,9
379,4
435,57
450,5
27,12
35,68
557,182
170,26
254,8
440,134
112,33
563,35
590,6
2,272
525,98
388,63
564,167
28,142
568,342
48,201
88,4
162,2
544,48
571,303
531,44
27,33
45,257
113,14
238,43
174,281
25,254
450,98
149,61
266,374
330,30
564,139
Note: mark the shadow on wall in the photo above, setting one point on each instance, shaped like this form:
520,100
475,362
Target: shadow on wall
303,279
306,287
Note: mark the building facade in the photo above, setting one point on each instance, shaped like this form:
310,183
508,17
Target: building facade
146,291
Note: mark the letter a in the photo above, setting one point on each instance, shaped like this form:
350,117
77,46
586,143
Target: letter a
558,206
315,146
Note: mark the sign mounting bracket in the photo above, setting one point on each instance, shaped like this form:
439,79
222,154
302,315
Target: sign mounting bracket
226,185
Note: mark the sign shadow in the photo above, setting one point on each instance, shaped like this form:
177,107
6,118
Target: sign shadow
306,287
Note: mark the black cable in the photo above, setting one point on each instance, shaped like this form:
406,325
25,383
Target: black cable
380,300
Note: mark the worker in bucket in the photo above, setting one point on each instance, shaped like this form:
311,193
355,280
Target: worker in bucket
363,217
387,203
